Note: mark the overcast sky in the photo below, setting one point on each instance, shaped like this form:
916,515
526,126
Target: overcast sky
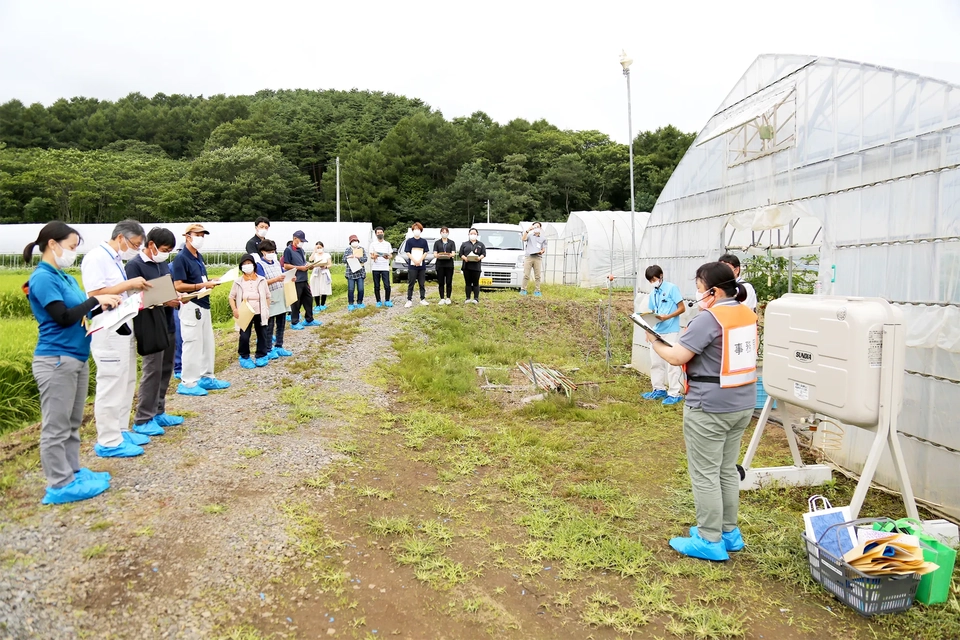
556,60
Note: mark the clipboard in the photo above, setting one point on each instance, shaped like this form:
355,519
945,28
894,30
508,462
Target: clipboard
640,322
161,291
203,293
358,253
246,313
290,291
354,265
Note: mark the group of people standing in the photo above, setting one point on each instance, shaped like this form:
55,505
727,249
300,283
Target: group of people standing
119,266
418,254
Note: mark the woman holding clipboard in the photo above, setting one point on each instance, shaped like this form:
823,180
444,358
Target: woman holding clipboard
60,363
718,352
472,252
415,251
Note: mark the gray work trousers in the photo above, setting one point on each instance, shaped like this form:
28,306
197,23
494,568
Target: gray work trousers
63,383
713,448
155,372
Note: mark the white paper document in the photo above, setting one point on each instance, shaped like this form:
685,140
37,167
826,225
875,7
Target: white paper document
354,265
111,319
230,276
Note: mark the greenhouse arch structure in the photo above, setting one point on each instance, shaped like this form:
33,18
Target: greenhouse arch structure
867,160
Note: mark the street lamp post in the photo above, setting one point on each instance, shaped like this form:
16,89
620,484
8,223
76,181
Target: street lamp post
625,62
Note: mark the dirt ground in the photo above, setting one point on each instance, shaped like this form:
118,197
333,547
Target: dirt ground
319,497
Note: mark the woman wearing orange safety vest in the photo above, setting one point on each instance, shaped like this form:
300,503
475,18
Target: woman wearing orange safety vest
718,352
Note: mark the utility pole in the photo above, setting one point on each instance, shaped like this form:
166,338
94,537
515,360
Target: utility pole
338,188
488,211
625,62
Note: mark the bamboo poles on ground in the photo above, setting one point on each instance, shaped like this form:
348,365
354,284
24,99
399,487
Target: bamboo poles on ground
546,378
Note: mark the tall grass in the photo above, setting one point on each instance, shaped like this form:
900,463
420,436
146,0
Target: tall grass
19,398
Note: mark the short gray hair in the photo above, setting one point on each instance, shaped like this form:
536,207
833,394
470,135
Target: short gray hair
129,228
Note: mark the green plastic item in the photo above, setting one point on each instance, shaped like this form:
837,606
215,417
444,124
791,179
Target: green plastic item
934,587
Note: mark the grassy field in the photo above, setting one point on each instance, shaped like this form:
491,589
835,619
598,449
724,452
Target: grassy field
485,498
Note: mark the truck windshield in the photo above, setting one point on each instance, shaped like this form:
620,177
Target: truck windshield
501,239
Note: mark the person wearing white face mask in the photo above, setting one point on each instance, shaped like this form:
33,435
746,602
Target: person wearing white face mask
445,249
321,283
114,351
666,302
355,277
534,246
380,253
251,289
196,327
269,267
262,226
157,367
60,363
471,268
416,266
719,354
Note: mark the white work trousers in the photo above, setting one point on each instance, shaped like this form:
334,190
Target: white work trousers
662,375
116,359
199,347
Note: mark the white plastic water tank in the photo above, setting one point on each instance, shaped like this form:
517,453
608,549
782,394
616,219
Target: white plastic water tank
824,353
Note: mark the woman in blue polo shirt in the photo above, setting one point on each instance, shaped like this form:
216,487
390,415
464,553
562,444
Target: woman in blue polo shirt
60,364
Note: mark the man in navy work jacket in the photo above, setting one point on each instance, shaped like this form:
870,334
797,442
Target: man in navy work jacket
157,368
295,258
196,327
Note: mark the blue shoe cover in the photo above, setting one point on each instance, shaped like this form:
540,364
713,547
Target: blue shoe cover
317,309
135,438
297,326
79,489
322,307
262,362
732,540
283,353
379,304
272,354
697,547
671,400
388,304
247,363
536,294
361,306
176,375
195,390
167,420
86,473
149,429
312,323
656,394
351,307
212,384
523,292
123,450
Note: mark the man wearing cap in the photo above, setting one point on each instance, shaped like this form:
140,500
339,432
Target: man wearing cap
295,258
196,327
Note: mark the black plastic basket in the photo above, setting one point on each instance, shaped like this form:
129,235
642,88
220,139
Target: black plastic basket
866,594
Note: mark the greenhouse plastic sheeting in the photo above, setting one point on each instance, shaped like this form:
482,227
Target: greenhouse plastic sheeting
872,155
597,244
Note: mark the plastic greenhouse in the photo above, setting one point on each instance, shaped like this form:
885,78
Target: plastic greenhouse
860,164
595,245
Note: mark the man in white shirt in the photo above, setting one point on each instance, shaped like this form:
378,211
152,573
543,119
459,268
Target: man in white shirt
114,349
381,252
734,262
534,246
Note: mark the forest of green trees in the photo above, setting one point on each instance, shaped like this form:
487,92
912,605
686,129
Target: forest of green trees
232,158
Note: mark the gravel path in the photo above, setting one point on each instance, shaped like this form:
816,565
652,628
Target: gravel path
153,558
